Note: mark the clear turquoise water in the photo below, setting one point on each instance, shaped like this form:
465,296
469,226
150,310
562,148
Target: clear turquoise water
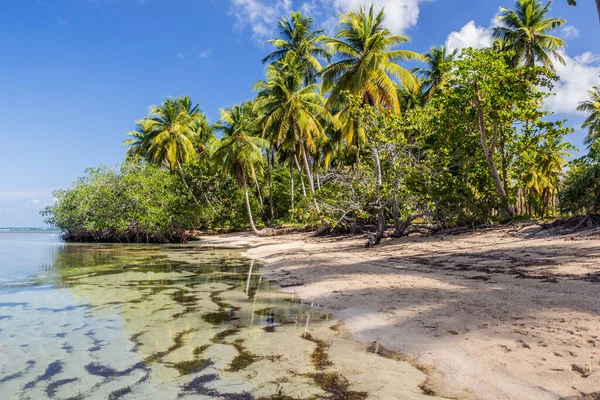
161,322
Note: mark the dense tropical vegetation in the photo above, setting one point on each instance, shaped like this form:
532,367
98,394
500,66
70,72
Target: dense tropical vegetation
343,136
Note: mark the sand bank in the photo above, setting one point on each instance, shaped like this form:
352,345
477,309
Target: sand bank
486,315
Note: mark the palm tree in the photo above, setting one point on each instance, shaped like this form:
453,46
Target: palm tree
592,123
435,73
366,64
300,40
525,30
168,135
238,152
292,115
552,158
410,98
141,140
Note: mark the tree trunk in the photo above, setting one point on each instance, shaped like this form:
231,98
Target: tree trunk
381,208
396,218
598,7
271,187
185,183
301,180
504,162
262,205
311,184
249,209
317,176
489,157
309,176
292,184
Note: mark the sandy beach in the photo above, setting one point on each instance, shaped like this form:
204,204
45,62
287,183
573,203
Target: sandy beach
486,315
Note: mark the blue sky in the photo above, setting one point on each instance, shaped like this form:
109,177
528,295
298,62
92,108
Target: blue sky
76,74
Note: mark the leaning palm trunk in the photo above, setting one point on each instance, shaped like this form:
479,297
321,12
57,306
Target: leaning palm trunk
248,208
300,172
271,188
598,7
380,206
292,184
311,184
260,198
185,183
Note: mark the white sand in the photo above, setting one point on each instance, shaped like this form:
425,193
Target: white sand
487,315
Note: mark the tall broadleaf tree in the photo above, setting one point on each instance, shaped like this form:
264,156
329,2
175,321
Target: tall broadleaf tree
526,31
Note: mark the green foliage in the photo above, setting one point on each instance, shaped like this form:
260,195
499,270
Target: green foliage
354,144
581,193
137,203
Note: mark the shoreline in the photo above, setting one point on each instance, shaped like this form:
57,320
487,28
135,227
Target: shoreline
486,315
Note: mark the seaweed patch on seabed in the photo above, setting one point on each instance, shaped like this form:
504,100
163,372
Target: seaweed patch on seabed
244,358
103,371
381,351
53,387
335,385
319,356
97,343
53,369
177,343
135,339
198,386
67,347
117,394
30,364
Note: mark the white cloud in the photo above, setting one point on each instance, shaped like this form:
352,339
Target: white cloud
62,21
205,53
578,76
469,35
569,32
587,58
180,56
400,14
260,15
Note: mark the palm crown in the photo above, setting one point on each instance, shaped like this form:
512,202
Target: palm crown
366,62
301,41
592,123
434,74
525,30
168,135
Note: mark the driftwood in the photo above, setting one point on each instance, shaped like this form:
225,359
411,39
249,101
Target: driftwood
401,231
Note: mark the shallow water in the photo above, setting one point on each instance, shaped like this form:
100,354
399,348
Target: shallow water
165,322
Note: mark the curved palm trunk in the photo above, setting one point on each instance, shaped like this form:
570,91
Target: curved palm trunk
249,209
381,208
271,162
292,184
185,183
598,7
300,172
260,198
309,176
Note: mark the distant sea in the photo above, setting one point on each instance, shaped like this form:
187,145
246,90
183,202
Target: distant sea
27,229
